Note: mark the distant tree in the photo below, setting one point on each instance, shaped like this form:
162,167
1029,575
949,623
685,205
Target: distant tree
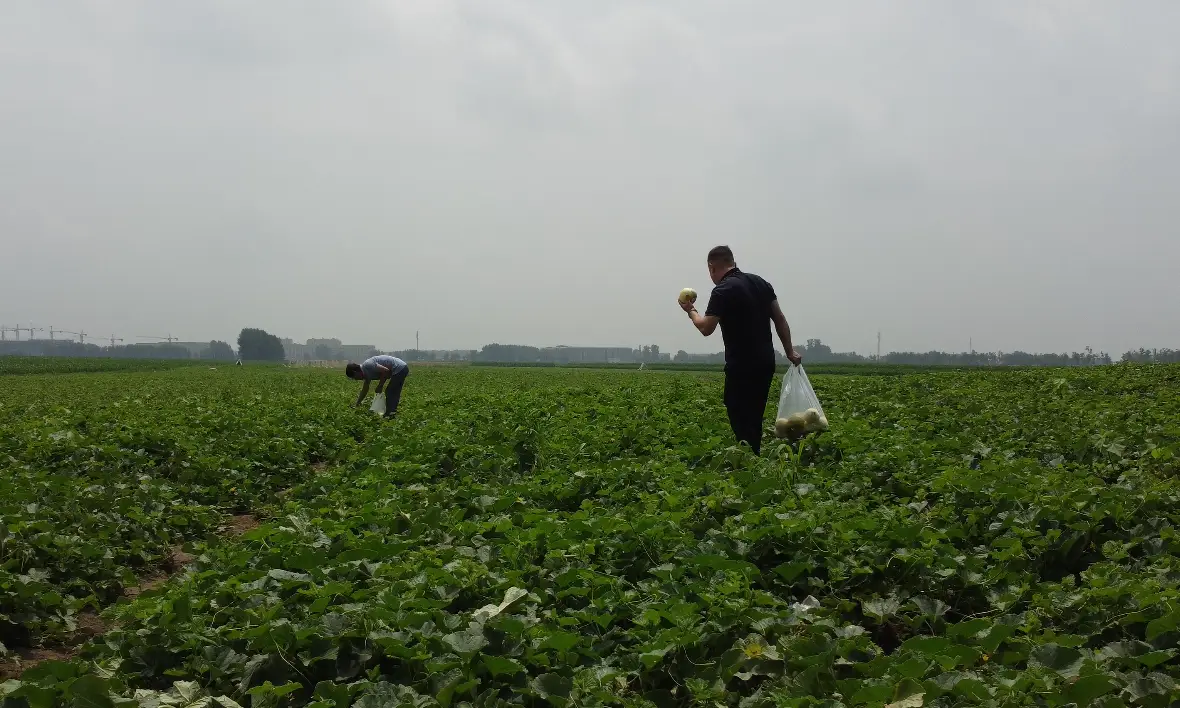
259,345
219,351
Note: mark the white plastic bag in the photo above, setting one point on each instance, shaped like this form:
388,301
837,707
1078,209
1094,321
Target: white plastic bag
799,411
378,406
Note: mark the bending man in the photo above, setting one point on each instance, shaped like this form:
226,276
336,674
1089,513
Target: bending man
390,373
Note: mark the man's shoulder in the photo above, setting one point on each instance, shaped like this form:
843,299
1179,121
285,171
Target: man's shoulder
761,283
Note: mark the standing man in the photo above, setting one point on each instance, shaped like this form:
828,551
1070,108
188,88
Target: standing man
390,373
744,305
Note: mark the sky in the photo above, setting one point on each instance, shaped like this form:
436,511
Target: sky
554,172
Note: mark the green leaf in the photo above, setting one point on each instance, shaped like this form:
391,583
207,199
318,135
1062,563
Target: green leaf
89,692
511,596
1154,684
553,687
1065,661
287,575
502,665
189,691
881,608
931,608
790,571
1087,688
50,672
926,646
654,656
561,641
916,700
36,696
1154,658
1163,625
466,642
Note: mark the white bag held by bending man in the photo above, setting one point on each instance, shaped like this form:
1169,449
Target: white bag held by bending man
378,406
799,411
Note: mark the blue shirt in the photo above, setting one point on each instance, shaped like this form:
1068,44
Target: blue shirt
369,368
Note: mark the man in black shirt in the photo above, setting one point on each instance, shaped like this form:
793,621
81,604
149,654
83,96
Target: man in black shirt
744,305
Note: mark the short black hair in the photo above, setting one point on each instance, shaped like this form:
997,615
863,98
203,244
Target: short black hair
352,369
721,255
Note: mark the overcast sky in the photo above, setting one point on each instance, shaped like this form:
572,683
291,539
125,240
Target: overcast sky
553,172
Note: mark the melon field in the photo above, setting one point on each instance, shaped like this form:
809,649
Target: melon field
240,536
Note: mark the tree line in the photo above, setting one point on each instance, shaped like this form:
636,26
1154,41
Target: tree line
256,344
815,351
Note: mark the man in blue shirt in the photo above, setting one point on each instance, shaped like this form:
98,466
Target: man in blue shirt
390,373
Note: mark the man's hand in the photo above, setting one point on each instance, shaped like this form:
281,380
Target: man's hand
794,357
687,306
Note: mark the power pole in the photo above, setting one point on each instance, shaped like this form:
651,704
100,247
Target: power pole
416,346
878,345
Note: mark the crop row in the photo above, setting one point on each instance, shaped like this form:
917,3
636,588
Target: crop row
104,474
528,537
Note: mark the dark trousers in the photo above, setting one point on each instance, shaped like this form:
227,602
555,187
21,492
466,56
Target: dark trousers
393,390
746,389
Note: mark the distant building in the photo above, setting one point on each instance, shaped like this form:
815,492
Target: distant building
294,351
325,350
356,352
332,344
606,355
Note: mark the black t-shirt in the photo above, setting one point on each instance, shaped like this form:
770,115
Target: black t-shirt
742,302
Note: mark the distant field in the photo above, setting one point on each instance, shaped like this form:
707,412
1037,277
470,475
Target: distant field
834,369
14,365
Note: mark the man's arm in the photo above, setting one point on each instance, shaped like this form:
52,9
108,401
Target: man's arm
784,332
383,374
705,324
364,392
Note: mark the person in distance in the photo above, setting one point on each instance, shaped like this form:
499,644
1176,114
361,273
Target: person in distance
744,305
390,373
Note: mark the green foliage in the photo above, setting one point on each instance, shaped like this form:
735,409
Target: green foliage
104,473
562,537
13,365
259,345
219,351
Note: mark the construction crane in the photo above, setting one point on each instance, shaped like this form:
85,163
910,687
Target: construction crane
170,339
80,335
3,333
113,339
30,329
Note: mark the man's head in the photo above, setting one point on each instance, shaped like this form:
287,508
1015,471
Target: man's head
353,371
720,262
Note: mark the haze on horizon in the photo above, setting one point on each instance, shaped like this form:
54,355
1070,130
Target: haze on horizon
553,172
